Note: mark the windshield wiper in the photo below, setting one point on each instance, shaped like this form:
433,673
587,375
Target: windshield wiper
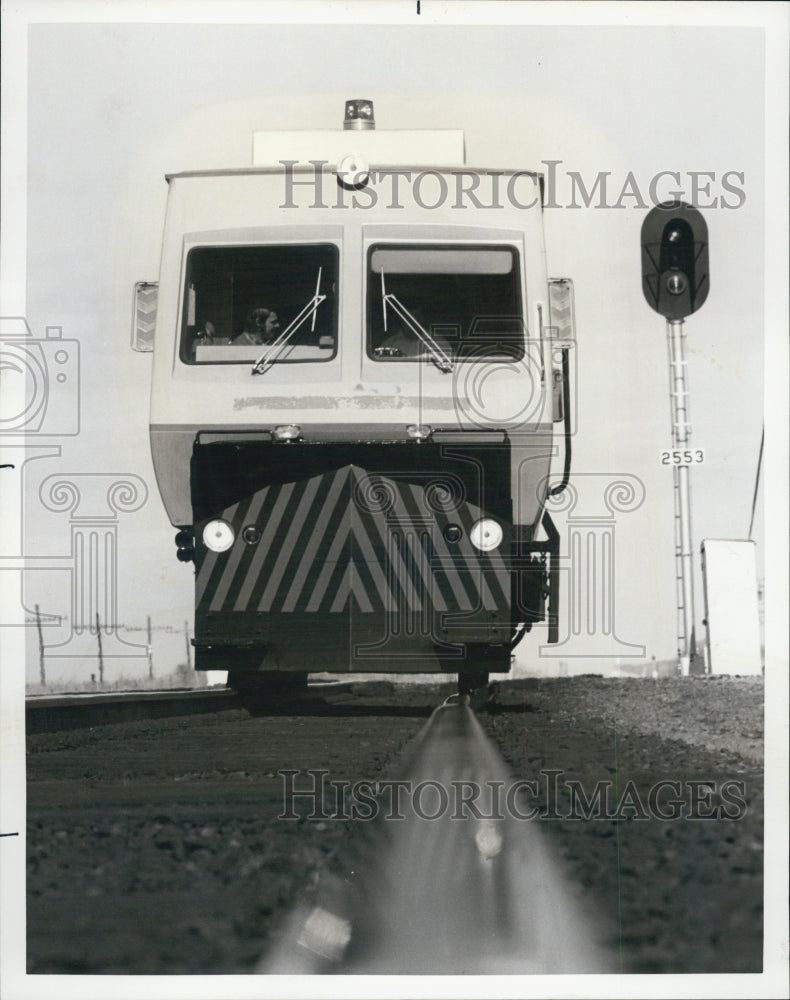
273,350
440,358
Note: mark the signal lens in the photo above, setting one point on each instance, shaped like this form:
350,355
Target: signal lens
486,534
676,283
218,536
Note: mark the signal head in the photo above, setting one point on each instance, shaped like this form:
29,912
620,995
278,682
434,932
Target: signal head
675,278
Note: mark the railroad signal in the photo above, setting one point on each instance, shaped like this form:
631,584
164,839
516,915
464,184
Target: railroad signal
675,278
675,282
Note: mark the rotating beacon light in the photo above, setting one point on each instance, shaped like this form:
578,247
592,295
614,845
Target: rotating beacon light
675,282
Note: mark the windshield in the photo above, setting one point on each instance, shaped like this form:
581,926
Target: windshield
444,303
245,304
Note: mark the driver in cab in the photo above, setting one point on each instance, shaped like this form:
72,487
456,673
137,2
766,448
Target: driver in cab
261,326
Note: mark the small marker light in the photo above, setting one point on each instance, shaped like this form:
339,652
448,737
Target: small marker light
185,551
419,432
287,432
453,533
251,534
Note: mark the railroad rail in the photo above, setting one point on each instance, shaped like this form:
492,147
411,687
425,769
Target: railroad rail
52,713
448,881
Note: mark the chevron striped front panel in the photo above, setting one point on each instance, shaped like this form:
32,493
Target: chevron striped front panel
355,542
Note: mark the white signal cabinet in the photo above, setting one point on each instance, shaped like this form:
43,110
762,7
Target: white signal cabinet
731,606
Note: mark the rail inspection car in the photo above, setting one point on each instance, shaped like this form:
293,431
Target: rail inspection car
359,362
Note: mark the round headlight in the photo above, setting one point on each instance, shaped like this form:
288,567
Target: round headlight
486,534
218,536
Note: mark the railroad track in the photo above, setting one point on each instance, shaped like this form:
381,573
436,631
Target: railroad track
445,879
52,713
164,846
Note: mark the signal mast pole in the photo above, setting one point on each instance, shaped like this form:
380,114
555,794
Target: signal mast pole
681,432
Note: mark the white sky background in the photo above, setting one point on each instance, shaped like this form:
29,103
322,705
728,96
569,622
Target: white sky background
112,107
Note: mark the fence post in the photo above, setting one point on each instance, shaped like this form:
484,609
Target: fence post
150,650
41,670
101,657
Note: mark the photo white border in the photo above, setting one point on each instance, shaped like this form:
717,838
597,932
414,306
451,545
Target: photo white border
773,17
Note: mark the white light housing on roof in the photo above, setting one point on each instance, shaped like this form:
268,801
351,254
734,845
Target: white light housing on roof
393,147
486,534
218,535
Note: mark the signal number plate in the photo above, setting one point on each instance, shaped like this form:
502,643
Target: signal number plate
678,456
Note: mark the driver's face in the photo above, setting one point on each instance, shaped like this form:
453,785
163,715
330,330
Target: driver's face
266,325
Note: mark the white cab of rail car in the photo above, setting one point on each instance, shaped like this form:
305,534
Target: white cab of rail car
356,284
